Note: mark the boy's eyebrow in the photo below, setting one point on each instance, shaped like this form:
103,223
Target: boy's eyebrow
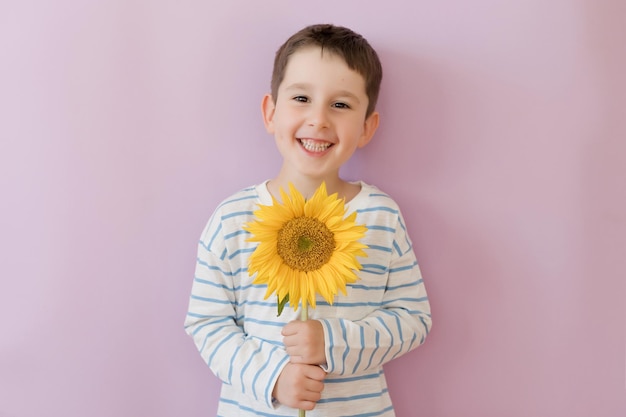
305,86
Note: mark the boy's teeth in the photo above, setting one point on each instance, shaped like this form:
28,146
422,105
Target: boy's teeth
313,146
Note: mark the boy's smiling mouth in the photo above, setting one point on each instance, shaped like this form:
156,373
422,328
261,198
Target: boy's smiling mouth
313,145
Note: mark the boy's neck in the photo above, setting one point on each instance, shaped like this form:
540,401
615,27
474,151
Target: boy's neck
308,186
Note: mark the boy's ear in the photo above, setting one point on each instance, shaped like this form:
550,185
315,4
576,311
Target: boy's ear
371,124
267,109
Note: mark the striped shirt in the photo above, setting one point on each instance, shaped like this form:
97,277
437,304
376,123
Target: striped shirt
384,315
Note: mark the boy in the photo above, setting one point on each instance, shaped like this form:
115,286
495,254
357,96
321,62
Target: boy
321,109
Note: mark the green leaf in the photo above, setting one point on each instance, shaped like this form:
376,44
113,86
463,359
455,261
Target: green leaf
281,304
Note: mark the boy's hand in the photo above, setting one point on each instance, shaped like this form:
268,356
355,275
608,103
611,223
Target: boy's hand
304,342
299,386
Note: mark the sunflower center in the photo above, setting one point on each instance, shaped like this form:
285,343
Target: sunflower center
305,244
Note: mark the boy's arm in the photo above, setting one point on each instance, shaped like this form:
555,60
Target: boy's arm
248,363
400,324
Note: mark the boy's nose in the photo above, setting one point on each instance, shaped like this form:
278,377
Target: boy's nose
318,117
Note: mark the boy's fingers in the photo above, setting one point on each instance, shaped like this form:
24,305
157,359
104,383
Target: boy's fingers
290,340
296,359
295,351
290,328
292,348
315,372
305,405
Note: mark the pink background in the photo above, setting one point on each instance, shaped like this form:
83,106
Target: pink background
124,123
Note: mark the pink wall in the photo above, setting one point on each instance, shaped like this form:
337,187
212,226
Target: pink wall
123,124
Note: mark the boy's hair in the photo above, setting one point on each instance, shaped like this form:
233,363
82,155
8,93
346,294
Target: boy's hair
352,47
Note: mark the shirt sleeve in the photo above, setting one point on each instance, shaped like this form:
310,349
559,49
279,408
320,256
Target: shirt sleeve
248,363
399,325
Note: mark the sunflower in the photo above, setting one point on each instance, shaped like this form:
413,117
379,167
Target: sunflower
306,247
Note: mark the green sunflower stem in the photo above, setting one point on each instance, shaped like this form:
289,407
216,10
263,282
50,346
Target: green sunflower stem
304,316
304,311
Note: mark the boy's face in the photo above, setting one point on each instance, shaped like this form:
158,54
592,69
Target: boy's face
318,120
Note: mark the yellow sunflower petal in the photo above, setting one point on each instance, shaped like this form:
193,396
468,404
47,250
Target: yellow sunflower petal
324,287
316,202
306,247
294,202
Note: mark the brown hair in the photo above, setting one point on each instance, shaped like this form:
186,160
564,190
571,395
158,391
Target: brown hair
352,47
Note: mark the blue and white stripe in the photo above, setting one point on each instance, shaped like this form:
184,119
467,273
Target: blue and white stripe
384,315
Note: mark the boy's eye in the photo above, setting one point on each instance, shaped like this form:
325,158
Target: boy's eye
340,105
301,99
